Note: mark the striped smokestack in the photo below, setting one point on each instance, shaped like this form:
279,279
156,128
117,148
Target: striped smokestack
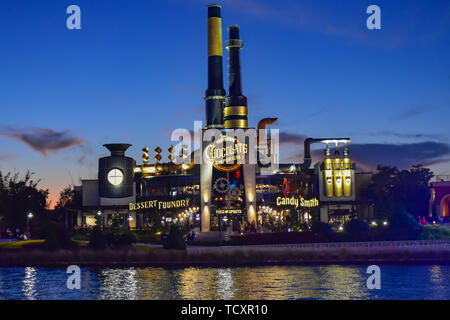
215,93
235,111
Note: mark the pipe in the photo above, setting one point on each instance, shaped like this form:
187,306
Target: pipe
307,160
235,111
214,95
262,124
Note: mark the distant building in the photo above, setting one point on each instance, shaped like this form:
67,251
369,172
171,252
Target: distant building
440,198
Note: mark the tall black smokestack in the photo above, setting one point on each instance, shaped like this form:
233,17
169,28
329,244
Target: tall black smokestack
235,111
215,93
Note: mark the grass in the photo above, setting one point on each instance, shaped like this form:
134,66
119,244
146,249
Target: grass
434,232
19,244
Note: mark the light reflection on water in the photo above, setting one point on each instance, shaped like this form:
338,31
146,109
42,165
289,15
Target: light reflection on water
29,282
274,282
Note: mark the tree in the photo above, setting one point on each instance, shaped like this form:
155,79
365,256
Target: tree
392,189
67,203
380,191
66,197
18,196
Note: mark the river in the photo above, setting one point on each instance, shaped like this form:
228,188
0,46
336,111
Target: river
269,282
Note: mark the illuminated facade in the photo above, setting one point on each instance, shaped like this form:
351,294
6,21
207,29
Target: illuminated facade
227,189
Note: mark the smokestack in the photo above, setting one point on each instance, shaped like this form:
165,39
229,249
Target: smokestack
215,93
117,149
235,112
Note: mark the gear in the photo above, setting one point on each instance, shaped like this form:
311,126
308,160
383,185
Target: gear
221,185
234,193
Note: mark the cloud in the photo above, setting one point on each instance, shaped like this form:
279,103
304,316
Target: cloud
411,112
437,161
42,140
405,135
85,156
291,138
368,156
179,115
332,19
7,157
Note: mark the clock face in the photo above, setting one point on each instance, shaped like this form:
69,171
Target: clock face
115,177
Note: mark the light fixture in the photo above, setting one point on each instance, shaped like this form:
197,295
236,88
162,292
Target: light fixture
99,213
115,177
30,215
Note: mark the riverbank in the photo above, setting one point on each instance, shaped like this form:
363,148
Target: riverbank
142,255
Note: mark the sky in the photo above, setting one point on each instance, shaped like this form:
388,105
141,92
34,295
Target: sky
136,70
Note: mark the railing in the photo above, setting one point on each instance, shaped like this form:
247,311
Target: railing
403,243
369,244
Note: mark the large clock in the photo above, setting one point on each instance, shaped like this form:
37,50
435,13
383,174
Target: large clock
115,177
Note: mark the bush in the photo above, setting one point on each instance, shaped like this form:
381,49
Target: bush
125,238
434,232
403,226
147,236
356,227
322,228
175,240
97,239
56,237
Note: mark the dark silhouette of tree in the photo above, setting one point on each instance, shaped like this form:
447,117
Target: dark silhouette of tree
392,188
18,197
69,201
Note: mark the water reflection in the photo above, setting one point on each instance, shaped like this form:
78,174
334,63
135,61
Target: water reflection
277,282
29,282
118,284
225,284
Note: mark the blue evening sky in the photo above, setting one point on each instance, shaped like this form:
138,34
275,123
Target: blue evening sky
137,70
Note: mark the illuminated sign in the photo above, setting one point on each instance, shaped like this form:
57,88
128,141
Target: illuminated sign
293,201
227,153
160,205
228,211
285,187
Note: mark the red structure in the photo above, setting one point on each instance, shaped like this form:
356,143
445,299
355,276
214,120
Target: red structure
440,196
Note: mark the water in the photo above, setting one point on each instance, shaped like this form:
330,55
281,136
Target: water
274,282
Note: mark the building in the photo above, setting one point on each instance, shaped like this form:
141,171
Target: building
228,188
440,197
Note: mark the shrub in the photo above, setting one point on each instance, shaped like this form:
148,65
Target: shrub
434,232
97,239
175,240
403,226
356,227
125,238
321,228
56,237
118,237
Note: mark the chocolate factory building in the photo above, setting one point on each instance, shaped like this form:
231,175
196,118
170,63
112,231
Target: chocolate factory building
216,195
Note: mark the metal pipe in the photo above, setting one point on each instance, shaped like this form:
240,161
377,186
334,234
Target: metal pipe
307,160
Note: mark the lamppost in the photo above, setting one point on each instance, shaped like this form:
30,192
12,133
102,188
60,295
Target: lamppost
99,217
29,216
130,218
